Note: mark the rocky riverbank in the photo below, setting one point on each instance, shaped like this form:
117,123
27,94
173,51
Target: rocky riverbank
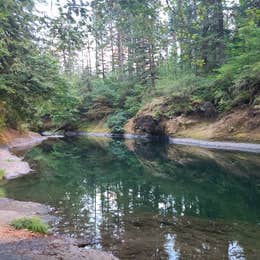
12,209
11,165
49,248
23,244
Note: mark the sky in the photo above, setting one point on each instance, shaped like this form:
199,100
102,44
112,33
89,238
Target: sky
49,7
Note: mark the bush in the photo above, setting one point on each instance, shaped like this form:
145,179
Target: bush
133,99
116,122
2,174
33,224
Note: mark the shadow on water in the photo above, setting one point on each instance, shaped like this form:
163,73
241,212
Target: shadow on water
148,200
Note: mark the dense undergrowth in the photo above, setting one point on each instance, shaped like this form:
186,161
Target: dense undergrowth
235,84
40,87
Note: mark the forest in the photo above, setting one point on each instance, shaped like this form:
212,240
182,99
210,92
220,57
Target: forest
129,129
77,61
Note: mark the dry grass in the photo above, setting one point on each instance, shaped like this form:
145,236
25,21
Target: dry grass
10,234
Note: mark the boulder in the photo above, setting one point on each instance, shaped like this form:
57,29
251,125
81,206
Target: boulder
208,110
147,124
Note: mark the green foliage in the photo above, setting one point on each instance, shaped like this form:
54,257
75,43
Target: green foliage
235,83
185,83
31,82
2,174
33,224
238,80
36,88
2,193
133,99
2,115
106,91
198,53
119,99
2,123
117,121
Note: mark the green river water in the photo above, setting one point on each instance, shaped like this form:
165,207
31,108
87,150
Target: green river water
147,200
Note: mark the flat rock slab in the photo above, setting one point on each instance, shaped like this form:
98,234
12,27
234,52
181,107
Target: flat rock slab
49,248
12,209
12,165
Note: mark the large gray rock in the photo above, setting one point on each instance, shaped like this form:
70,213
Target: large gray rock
147,124
12,209
208,110
12,166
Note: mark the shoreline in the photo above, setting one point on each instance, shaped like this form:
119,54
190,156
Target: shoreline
14,243
18,243
13,166
208,144
219,145
25,239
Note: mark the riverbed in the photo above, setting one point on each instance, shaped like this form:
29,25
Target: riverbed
143,199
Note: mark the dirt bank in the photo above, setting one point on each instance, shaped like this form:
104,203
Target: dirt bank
241,124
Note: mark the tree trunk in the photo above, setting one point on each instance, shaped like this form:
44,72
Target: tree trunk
102,62
220,47
112,48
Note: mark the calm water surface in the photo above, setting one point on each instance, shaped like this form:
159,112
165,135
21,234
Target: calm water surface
148,200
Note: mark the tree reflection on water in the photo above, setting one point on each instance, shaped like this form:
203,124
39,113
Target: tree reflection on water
145,200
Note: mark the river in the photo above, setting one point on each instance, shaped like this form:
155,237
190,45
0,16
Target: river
144,199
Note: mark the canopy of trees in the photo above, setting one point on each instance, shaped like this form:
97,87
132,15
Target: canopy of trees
105,57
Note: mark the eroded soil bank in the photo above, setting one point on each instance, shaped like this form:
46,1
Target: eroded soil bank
241,124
